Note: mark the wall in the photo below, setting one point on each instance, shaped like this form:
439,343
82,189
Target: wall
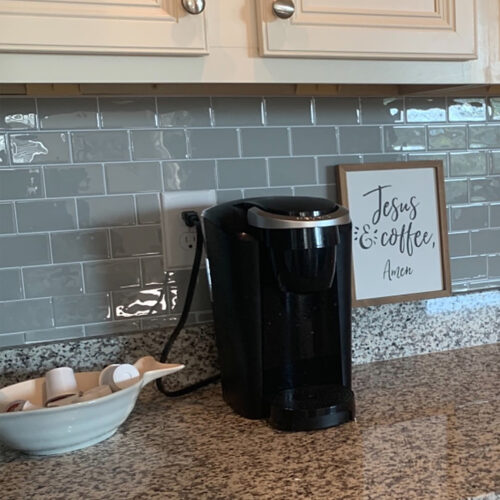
80,243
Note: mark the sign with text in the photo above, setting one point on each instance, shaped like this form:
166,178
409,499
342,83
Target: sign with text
399,234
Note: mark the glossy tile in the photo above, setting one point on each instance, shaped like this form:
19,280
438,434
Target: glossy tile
134,241
7,218
39,147
425,109
24,250
137,177
288,111
354,140
471,163
382,110
494,108
466,109
112,327
100,145
138,303
443,157
468,268
495,162
81,309
229,195
53,334
11,339
22,315
469,217
76,246
484,136
486,241
486,189
46,215
453,137
158,144
213,143
4,157
314,141
19,183
74,180
237,111
459,244
384,158
292,171
495,215
337,110
127,112
457,191
106,211
148,209
152,271
264,142
328,191
242,172
494,266
67,113
327,166
17,113
270,191
177,287
48,281
184,111
11,287
194,174
111,275
404,138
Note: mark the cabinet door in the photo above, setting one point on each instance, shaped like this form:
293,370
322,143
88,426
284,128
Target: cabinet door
103,26
369,29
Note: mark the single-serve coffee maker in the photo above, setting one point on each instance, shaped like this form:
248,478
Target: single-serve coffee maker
280,274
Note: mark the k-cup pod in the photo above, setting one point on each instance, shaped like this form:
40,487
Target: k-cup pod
95,393
60,383
20,405
64,401
119,376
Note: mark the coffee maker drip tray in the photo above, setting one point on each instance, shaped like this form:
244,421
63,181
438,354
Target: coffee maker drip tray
310,408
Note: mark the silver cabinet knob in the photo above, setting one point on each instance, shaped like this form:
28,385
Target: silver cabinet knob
284,8
194,6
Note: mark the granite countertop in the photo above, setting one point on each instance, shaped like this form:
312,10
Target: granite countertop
428,427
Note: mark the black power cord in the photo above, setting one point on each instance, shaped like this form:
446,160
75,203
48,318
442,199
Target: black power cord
191,219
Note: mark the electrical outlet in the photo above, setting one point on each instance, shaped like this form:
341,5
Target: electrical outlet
179,241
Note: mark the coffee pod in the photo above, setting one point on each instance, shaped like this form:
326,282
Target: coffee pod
119,376
95,393
60,383
64,401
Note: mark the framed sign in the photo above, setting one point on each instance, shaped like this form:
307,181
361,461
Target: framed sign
399,231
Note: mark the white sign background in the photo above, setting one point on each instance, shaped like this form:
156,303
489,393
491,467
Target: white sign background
396,234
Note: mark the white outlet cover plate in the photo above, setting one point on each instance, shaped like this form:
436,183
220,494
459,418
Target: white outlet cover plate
173,203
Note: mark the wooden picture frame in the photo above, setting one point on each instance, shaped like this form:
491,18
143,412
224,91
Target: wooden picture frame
400,235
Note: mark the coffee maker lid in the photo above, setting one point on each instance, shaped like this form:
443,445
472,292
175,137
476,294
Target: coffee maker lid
295,212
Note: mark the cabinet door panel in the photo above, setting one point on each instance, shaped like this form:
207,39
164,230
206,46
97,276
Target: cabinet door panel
364,29
106,26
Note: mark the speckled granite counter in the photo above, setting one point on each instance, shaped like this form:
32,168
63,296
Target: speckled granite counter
428,428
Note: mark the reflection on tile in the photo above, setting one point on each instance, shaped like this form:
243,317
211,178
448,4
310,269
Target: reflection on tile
158,144
72,332
382,110
50,281
471,217
447,137
327,166
468,163
106,211
195,174
24,250
314,141
466,109
443,157
485,241
242,172
45,215
112,327
22,315
337,110
73,180
184,111
148,209
456,191
213,143
76,246
459,244
264,142
138,303
404,138
152,271
494,108
80,309
10,284
111,275
425,109
177,287
132,241
127,112
484,136
487,189
135,177
237,111
39,147
18,183
468,268
291,171
288,111
17,113
355,140
6,218
67,113
4,159
100,146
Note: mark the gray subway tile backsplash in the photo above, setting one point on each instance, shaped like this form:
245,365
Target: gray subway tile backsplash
83,176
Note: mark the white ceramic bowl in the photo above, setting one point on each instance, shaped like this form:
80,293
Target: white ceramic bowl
49,431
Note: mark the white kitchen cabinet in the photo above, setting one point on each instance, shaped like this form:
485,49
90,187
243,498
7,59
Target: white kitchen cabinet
368,29
101,27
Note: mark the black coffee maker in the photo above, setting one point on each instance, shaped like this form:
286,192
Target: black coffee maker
280,273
